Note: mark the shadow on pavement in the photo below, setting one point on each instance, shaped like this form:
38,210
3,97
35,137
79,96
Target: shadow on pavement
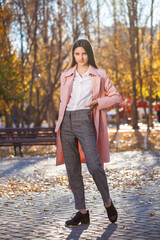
76,232
20,164
111,228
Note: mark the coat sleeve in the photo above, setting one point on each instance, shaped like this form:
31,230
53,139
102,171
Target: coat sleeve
113,96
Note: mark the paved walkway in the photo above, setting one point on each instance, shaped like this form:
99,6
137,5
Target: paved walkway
35,200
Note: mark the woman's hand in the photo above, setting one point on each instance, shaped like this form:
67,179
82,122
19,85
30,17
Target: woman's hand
92,104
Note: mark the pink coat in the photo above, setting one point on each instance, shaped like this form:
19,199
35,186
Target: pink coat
106,95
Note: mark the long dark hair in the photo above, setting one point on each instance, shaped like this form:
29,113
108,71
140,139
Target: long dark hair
88,48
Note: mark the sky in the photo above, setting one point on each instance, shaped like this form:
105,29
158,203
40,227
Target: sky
106,12
106,18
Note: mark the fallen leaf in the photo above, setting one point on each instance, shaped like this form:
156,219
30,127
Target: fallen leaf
153,214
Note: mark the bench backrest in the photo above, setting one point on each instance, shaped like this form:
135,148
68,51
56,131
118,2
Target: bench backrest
38,134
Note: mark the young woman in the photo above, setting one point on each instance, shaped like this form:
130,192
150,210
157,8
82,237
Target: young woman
82,136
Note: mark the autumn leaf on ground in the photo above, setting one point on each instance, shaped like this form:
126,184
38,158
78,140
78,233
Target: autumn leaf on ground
153,214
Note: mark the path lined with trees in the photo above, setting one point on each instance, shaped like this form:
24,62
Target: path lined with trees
129,50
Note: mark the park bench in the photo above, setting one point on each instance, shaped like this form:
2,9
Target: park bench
18,137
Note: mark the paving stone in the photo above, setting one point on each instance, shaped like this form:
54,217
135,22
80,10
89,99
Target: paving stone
41,215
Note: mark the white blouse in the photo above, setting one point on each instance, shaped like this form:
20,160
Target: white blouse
82,92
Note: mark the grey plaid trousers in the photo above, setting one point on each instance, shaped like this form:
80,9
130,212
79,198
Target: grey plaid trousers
78,126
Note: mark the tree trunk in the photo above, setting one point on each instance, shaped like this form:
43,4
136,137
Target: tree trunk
98,23
75,26
151,68
22,71
132,11
34,61
8,119
116,69
139,68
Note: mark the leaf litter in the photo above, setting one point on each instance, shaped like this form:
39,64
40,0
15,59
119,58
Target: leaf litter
23,185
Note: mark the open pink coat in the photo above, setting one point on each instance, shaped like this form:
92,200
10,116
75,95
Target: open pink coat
106,95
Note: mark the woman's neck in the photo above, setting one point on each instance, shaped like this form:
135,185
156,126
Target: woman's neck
82,69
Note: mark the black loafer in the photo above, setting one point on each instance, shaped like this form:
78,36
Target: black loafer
78,218
112,213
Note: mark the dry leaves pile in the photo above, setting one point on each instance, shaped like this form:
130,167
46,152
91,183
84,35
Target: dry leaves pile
28,151
22,185
129,177
131,141
132,177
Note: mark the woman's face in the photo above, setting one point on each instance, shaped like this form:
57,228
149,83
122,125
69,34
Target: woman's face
81,56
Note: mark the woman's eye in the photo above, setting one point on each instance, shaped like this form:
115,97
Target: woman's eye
82,54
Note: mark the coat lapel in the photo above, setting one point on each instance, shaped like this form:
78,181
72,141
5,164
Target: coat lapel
67,85
96,81
96,86
67,89
68,82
